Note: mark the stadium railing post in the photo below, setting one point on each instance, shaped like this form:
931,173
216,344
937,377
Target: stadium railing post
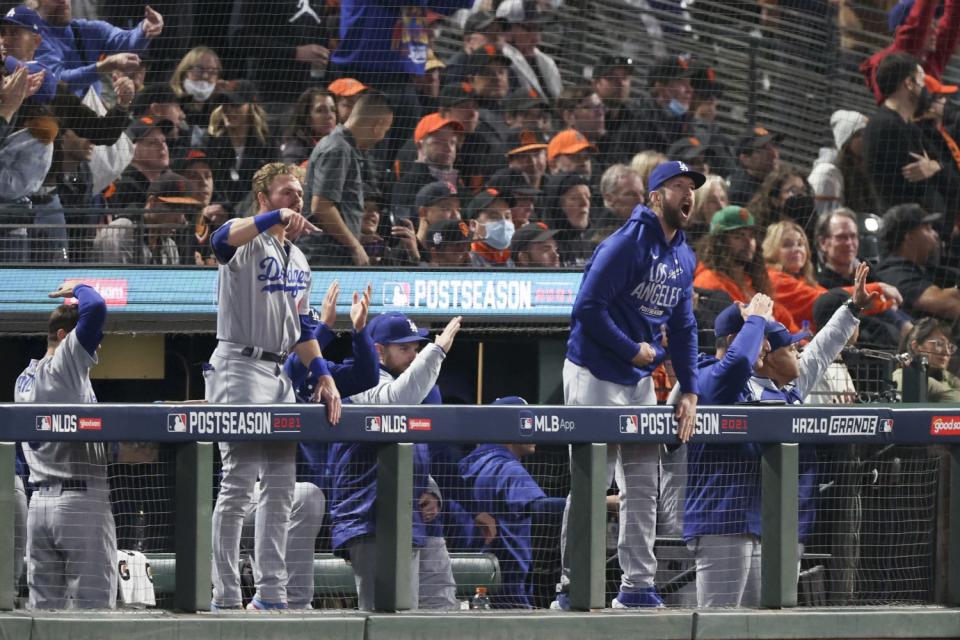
8,469
587,526
953,551
394,527
778,524
194,517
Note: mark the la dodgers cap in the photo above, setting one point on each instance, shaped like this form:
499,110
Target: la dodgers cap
23,17
395,328
779,336
671,169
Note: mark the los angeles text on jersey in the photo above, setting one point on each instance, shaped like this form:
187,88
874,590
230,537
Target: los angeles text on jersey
836,425
658,424
236,422
655,293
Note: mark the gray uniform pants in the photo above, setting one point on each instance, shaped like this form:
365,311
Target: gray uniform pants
635,467
728,570
363,558
306,519
19,527
71,548
238,379
438,590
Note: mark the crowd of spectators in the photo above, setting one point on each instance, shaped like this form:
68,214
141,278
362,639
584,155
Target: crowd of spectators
117,152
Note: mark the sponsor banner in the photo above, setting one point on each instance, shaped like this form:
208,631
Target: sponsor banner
706,423
90,424
839,425
945,426
213,423
545,423
420,424
113,291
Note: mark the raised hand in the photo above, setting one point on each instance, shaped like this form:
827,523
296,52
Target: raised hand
360,308
152,22
445,339
328,310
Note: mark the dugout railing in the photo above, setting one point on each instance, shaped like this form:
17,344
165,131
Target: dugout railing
777,429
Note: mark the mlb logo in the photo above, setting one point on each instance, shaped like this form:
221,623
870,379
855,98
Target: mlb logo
628,424
886,426
43,423
396,294
526,426
372,423
176,423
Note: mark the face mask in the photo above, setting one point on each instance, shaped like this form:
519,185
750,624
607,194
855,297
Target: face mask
199,90
499,234
799,209
676,107
924,102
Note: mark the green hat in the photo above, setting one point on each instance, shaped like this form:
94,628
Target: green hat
730,218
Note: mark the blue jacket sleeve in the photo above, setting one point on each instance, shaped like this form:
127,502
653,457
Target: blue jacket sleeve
725,380
433,397
325,336
363,372
99,38
684,344
601,285
47,90
548,505
93,315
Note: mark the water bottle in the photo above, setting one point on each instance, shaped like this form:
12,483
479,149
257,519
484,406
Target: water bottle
480,599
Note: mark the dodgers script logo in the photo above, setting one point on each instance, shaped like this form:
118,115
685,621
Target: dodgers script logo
290,280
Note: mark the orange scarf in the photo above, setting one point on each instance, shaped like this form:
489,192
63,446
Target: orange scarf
488,253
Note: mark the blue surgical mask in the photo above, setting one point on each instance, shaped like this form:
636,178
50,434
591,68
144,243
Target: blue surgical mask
499,234
676,107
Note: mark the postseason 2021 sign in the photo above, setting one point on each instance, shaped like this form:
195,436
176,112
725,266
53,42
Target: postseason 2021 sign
491,294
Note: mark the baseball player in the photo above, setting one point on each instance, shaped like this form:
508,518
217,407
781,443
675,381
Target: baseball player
407,376
312,487
722,513
501,486
712,508
19,515
262,313
71,536
636,297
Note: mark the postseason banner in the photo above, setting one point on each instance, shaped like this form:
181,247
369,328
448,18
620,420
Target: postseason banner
504,295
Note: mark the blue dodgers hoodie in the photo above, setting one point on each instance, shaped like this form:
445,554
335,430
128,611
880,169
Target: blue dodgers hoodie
501,486
383,37
634,283
723,487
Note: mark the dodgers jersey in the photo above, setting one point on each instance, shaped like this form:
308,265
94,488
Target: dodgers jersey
262,288
635,284
64,378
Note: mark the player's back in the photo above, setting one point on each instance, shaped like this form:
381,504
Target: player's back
61,378
260,293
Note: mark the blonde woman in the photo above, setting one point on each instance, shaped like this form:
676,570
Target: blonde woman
195,81
645,161
238,140
707,200
790,269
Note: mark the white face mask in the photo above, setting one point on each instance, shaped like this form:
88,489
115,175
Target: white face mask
199,90
499,234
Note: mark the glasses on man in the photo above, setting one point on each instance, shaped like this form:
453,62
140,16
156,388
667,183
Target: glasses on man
941,346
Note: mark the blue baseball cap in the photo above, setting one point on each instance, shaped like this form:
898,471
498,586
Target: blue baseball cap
671,169
779,336
898,14
21,16
509,400
395,328
728,322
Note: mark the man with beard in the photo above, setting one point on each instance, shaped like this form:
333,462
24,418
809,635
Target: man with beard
437,139
636,298
896,157
612,80
730,262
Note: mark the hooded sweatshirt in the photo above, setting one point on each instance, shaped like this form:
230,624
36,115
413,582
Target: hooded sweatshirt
635,286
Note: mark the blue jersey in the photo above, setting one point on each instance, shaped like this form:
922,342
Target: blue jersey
723,480
635,286
501,486
351,377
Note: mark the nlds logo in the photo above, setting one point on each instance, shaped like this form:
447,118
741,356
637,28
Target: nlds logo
385,424
60,423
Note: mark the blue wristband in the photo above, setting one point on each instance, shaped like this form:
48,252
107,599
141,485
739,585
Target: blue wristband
319,367
266,220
